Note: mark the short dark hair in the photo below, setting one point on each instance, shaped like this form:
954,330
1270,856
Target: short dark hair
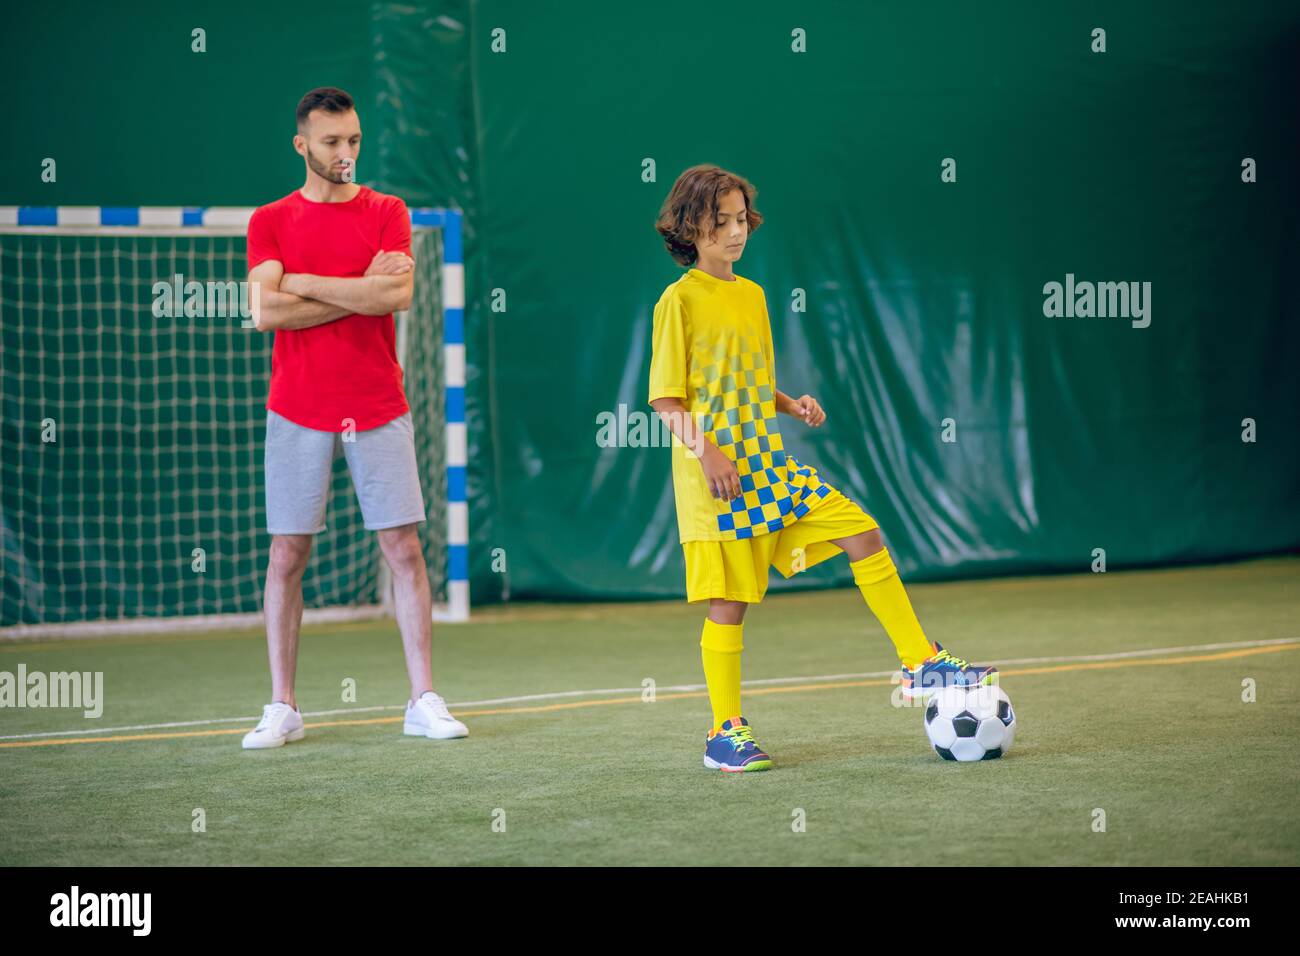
691,209
328,98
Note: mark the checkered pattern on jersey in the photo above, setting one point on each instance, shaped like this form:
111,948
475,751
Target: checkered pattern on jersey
735,405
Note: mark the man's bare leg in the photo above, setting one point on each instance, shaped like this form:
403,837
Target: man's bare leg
414,602
282,605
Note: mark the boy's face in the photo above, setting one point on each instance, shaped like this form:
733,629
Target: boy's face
731,230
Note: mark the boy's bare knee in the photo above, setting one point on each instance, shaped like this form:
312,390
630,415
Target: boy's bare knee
861,545
727,612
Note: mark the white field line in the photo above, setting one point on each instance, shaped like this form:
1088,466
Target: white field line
679,688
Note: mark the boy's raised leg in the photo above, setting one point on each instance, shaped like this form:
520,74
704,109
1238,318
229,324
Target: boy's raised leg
925,666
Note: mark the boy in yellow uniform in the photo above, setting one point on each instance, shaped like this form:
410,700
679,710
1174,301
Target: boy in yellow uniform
743,502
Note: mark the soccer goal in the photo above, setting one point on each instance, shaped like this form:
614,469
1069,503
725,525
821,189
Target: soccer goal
133,421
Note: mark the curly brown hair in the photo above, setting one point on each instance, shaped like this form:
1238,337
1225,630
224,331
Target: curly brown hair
690,212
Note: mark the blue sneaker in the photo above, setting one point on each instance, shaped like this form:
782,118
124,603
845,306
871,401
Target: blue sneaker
942,669
733,750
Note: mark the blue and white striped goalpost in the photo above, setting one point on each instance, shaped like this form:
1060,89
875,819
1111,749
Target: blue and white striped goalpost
230,220
453,358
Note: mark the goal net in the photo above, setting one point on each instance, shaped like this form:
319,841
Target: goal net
133,421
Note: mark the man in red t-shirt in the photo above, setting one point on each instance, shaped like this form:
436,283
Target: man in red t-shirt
328,265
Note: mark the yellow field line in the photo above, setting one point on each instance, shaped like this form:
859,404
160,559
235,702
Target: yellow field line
572,705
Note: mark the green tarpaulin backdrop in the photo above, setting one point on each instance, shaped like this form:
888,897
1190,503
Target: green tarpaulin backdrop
924,298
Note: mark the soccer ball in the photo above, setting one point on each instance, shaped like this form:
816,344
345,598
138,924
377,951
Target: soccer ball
974,723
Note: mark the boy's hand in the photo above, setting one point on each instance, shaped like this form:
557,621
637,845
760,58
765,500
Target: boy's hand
810,410
390,264
720,472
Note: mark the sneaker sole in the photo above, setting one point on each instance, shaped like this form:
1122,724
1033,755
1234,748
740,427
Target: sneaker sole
711,764
279,741
418,730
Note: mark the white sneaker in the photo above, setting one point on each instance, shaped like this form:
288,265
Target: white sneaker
428,717
279,723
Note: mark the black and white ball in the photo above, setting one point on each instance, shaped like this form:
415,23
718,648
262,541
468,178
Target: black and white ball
970,724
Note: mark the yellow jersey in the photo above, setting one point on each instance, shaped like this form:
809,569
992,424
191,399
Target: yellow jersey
712,348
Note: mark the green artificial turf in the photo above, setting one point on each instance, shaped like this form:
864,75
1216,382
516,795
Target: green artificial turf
1185,771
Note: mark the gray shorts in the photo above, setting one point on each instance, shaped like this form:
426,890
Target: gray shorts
298,465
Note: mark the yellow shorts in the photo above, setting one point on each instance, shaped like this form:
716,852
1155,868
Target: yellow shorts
737,570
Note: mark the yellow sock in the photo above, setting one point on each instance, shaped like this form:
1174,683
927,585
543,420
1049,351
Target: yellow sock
882,589
720,647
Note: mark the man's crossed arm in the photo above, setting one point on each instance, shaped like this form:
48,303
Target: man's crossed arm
300,301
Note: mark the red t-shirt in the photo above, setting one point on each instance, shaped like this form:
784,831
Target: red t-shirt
346,368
